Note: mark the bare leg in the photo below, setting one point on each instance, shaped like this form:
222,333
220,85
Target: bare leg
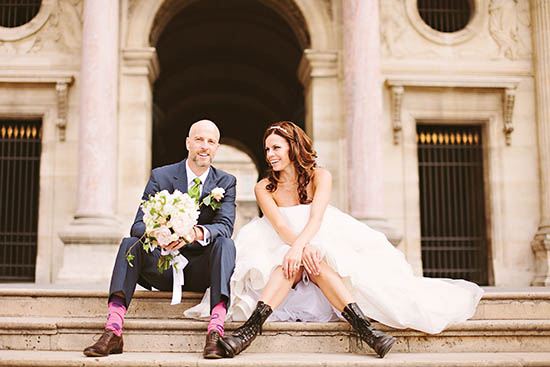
332,287
277,287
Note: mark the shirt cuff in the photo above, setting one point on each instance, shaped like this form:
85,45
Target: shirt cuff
206,240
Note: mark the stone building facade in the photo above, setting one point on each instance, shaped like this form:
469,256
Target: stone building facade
116,84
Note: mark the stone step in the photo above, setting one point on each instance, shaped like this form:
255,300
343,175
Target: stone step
187,336
89,303
497,303
73,359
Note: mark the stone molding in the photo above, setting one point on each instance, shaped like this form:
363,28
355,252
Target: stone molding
25,30
61,80
317,64
141,61
506,86
473,28
541,249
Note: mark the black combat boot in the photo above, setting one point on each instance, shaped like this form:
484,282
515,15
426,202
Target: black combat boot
376,339
241,338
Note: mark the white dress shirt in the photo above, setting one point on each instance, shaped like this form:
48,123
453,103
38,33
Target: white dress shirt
190,177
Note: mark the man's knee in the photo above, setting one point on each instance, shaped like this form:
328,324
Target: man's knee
130,244
224,246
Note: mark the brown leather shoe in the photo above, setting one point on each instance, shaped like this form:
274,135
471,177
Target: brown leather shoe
212,348
108,343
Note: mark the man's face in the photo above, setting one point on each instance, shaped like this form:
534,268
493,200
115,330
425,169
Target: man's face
202,144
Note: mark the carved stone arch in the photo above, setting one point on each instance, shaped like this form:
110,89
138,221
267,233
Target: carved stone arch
311,23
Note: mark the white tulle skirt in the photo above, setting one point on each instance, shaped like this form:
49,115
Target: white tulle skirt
376,273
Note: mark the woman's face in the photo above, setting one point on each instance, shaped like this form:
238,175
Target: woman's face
276,152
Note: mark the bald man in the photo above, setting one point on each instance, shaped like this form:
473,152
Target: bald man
211,256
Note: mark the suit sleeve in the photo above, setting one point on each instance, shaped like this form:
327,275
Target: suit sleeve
224,218
138,228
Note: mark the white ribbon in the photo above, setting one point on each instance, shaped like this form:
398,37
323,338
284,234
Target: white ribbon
179,262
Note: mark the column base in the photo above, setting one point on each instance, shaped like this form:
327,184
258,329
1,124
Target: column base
91,245
541,248
382,225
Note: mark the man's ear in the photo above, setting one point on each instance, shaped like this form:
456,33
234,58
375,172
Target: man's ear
187,143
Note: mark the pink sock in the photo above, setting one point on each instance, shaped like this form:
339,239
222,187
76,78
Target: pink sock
217,318
117,311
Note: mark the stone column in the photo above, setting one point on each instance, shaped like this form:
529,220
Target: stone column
94,222
364,118
540,13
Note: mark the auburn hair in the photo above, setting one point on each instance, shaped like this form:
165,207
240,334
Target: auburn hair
300,153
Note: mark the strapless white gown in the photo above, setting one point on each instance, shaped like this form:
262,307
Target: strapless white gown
375,272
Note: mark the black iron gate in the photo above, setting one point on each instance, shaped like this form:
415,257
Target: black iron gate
452,202
20,149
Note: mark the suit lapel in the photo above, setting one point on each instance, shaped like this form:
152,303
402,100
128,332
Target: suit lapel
181,178
209,184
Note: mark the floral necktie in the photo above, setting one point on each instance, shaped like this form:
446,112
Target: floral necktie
194,191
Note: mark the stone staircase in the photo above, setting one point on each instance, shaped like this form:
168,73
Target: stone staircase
50,327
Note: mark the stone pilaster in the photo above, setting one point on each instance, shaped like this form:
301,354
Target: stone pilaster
94,222
318,72
363,107
540,11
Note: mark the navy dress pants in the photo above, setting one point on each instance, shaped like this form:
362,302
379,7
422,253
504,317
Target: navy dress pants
209,266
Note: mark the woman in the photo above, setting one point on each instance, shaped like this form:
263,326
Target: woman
306,260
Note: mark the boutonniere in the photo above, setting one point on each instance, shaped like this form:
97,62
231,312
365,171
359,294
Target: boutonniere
214,199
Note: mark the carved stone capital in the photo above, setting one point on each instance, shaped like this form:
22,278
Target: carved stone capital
141,61
317,64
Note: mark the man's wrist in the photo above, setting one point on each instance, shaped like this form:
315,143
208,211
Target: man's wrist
199,234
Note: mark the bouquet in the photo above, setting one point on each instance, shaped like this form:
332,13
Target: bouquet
171,217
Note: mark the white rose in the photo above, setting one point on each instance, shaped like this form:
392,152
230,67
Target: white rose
162,235
217,193
181,226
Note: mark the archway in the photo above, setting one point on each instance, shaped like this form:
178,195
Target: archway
232,62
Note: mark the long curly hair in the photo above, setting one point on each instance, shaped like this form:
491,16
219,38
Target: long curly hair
301,154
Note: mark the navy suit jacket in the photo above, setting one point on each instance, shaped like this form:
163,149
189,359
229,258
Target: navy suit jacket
218,222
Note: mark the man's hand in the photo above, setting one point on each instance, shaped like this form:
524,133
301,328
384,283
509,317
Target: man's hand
199,234
311,259
176,245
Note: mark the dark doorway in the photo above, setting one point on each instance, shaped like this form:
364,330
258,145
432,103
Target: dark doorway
234,62
20,148
452,202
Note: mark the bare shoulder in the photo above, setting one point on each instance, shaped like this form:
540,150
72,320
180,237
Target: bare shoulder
260,187
321,174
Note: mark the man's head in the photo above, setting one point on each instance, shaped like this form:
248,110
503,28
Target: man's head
202,144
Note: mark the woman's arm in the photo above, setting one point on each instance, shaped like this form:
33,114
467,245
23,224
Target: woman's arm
322,185
271,211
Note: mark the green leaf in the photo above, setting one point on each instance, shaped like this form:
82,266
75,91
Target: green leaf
129,258
207,200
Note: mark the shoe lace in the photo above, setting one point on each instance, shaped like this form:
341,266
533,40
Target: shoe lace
250,327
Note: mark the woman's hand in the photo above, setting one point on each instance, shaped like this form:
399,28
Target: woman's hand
291,262
311,258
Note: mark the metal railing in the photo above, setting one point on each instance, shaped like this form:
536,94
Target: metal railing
452,202
445,15
20,148
14,13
